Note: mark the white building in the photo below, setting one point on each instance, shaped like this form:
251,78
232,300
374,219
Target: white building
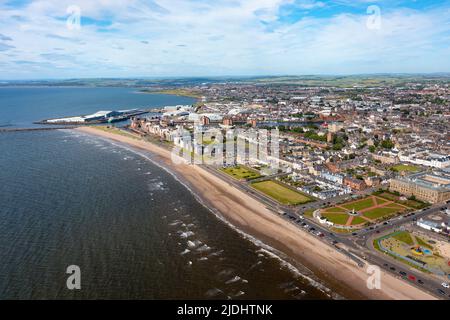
429,225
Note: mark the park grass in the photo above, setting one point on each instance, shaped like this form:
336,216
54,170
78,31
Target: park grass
309,213
405,167
358,221
336,218
280,193
359,205
414,204
381,200
378,213
377,247
405,237
388,196
423,243
335,210
241,172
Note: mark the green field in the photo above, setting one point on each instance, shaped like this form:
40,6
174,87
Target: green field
405,167
335,210
378,213
366,208
336,218
281,193
241,173
409,203
359,205
404,237
358,220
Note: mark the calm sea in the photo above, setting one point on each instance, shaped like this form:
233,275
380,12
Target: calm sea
135,232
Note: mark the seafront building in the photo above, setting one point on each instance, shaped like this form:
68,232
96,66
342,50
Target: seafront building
432,187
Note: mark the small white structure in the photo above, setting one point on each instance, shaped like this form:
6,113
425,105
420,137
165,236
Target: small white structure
429,225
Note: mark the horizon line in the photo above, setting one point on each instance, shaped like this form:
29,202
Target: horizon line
443,73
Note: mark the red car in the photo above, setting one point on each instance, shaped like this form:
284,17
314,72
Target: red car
412,278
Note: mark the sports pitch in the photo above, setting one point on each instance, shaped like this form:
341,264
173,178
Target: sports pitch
281,193
241,173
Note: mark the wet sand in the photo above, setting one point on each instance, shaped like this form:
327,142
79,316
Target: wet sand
252,217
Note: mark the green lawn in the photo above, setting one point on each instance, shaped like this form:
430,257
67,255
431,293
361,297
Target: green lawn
358,220
389,196
423,243
405,237
309,213
281,193
336,218
405,167
380,200
241,172
359,205
335,210
378,213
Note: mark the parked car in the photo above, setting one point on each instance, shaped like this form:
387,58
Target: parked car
403,273
420,281
411,277
445,285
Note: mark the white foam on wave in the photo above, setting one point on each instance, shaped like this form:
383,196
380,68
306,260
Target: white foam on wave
213,292
186,251
191,244
175,223
185,235
203,248
233,280
156,186
216,254
238,294
225,272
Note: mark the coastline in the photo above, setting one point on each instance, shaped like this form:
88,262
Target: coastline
254,219
178,93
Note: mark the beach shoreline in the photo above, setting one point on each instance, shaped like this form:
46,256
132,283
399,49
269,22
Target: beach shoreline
253,218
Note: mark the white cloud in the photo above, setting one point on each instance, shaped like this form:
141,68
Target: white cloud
200,37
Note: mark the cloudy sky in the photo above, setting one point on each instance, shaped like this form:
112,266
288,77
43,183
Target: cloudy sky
154,38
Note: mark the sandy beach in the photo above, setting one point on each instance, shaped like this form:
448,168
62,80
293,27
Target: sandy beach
252,217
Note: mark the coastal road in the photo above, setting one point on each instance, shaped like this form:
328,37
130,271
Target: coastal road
358,245
365,238
357,248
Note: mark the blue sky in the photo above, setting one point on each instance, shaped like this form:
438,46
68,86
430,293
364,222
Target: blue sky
136,38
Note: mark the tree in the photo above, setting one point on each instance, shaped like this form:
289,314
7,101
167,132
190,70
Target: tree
387,144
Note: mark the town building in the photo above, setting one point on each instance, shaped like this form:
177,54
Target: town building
431,187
